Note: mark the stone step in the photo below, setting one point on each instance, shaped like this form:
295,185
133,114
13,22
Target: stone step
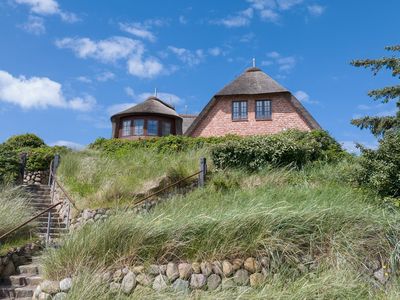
24,292
24,280
7,292
52,230
31,269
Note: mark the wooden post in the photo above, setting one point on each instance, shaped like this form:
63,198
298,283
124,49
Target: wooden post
22,165
203,171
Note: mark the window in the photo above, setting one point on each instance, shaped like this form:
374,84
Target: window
263,109
239,110
126,128
152,127
166,128
138,127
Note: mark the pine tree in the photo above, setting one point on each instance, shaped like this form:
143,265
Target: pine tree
380,125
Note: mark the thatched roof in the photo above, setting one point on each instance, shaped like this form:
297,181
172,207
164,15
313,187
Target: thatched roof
151,105
252,82
187,121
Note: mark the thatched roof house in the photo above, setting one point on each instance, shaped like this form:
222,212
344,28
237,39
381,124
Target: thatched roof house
252,104
153,117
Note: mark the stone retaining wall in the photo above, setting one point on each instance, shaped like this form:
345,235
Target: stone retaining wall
36,177
15,258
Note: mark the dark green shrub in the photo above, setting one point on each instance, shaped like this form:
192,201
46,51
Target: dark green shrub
9,164
288,148
28,140
380,169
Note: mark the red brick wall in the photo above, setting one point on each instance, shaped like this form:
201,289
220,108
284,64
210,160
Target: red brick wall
218,121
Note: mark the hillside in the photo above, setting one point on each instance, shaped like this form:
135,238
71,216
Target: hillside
321,235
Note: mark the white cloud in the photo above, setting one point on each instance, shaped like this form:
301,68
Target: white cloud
304,97
189,57
273,54
166,97
105,76
144,68
216,51
351,146
48,7
139,30
316,10
288,4
69,144
269,15
116,108
35,25
84,79
130,92
284,63
182,20
108,50
241,19
38,92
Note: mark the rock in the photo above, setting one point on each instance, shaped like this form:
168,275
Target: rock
256,279
141,292
160,283
196,268
37,292
144,279
217,268
87,214
172,271
118,276
60,296
181,286
198,281
206,268
264,271
264,261
237,264
185,270
115,287
138,269
125,270
241,277
154,270
50,287
227,268
381,275
106,276
213,282
227,283
128,283
9,269
252,265
44,296
65,284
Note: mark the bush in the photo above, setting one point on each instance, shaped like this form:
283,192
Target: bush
28,140
380,169
166,144
291,147
9,164
39,158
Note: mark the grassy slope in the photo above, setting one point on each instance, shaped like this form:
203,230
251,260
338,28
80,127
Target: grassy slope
14,210
284,214
100,181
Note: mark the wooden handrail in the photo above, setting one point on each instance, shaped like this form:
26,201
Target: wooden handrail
163,189
30,220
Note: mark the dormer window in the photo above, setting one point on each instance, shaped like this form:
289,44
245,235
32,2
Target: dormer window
263,110
239,110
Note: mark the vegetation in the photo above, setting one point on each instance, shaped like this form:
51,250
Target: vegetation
286,214
380,169
14,210
380,125
288,148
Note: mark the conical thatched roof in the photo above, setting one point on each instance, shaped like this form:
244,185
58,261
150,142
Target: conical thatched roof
252,81
151,105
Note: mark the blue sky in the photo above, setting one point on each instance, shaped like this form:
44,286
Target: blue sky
65,66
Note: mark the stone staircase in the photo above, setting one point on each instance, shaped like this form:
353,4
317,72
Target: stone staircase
40,200
22,285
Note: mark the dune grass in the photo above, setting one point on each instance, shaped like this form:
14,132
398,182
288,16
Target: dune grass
97,180
14,210
284,214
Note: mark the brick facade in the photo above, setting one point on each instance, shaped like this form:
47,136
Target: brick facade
218,120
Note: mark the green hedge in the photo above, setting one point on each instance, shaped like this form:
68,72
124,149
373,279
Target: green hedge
291,147
161,144
380,169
